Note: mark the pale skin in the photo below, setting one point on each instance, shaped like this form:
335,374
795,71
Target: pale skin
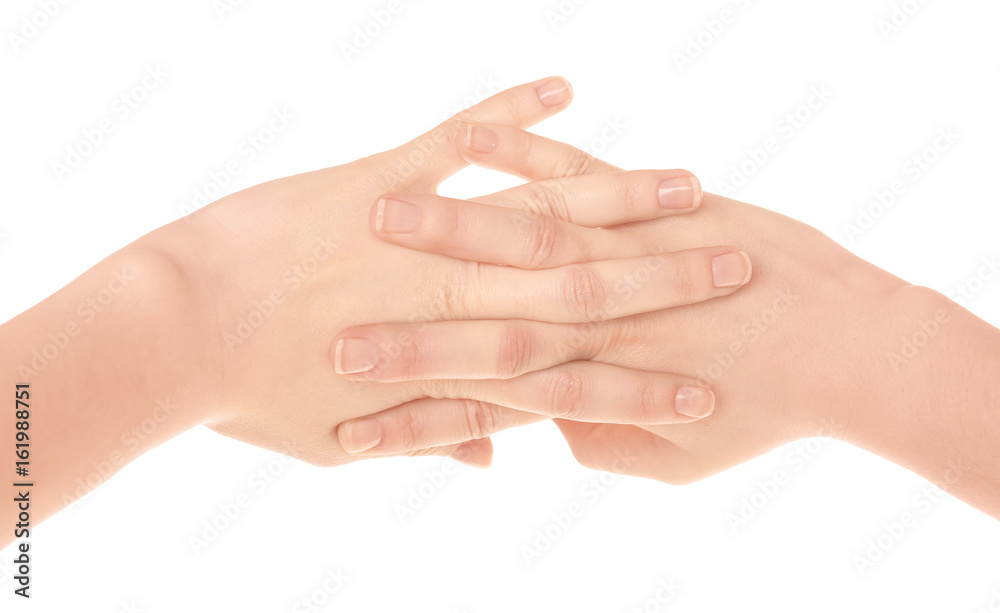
227,318
233,319
819,343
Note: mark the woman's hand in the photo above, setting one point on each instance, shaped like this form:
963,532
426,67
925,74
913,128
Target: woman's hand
815,345
271,274
230,316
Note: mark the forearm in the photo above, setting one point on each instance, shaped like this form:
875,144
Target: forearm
104,380
939,412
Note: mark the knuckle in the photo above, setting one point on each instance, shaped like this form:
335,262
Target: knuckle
683,280
575,162
582,341
566,394
515,108
542,236
453,219
515,351
453,298
628,194
413,359
481,418
521,144
609,337
547,198
441,388
650,402
409,429
418,453
583,292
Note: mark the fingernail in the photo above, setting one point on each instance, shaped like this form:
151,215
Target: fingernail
680,192
361,435
694,401
554,92
466,455
397,217
354,355
731,269
481,140
461,454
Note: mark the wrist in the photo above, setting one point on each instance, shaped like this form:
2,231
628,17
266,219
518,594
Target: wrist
153,335
854,317
99,356
937,411
178,313
887,368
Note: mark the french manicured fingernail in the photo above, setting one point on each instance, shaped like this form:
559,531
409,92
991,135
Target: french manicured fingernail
694,401
731,269
354,355
397,217
361,435
680,192
481,140
554,92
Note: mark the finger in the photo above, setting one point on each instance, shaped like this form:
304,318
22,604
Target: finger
604,290
590,391
477,453
424,162
493,234
607,198
427,423
518,152
537,225
460,349
626,450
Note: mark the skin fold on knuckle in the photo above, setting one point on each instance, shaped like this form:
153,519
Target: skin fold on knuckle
414,361
686,284
548,198
481,418
575,162
566,393
582,292
541,241
521,149
653,403
458,295
408,428
607,341
629,194
515,350
453,222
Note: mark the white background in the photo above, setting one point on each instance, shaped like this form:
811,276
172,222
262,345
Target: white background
127,547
